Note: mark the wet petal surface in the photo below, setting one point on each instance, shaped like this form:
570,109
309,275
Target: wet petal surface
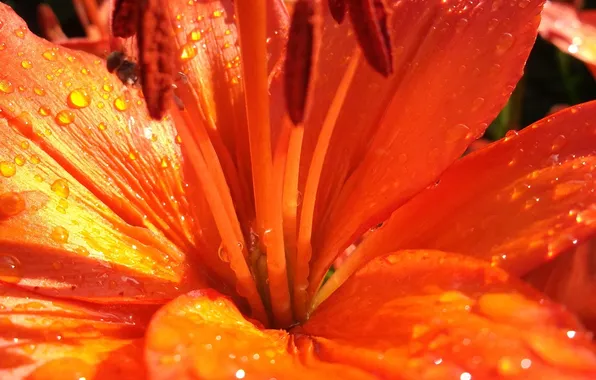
41,338
430,314
517,203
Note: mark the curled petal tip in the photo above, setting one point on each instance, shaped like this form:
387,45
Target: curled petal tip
370,20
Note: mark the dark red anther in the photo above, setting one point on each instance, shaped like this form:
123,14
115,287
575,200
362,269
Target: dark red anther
338,10
370,21
125,17
300,59
156,47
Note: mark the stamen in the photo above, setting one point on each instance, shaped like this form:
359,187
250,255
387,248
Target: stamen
300,59
301,282
291,198
252,23
274,239
156,47
91,13
125,18
337,9
369,18
233,244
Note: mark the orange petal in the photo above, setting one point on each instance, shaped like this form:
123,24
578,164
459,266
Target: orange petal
42,338
430,314
516,203
67,103
58,238
203,335
435,104
572,32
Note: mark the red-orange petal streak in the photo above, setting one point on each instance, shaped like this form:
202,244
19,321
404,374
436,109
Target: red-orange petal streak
42,338
516,203
202,335
430,314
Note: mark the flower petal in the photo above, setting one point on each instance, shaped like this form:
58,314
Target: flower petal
83,117
569,31
42,338
430,314
435,105
203,335
517,203
56,237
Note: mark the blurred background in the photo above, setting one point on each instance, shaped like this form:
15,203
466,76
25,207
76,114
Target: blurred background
553,78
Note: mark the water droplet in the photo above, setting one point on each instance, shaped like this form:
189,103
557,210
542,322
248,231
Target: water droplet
107,87
217,13
78,98
558,143
26,64
10,269
132,155
120,104
2,46
101,126
7,169
477,103
19,160
20,32
34,159
38,178
6,87
188,52
49,55
164,163
223,255
510,134
59,235
64,117
39,91
11,204
61,188
195,35
456,133
44,111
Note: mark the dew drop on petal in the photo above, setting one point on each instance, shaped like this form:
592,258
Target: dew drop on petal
558,143
26,64
6,86
120,104
19,160
10,269
78,98
223,254
44,111
64,117
7,169
11,204
49,55
39,91
187,52
34,159
59,235
195,35
61,188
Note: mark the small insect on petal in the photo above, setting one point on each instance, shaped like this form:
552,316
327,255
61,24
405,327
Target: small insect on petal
300,59
337,8
156,47
369,18
125,18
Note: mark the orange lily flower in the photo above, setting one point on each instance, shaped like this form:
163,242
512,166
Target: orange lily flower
195,246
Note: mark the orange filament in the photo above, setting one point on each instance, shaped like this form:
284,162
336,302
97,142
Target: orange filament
205,164
252,23
291,196
304,247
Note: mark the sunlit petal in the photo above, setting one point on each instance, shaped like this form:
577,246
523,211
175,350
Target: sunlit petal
430,314
203,335
41,338
517,203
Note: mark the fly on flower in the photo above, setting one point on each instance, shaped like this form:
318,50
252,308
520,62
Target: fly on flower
370,22
126,70
146,23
